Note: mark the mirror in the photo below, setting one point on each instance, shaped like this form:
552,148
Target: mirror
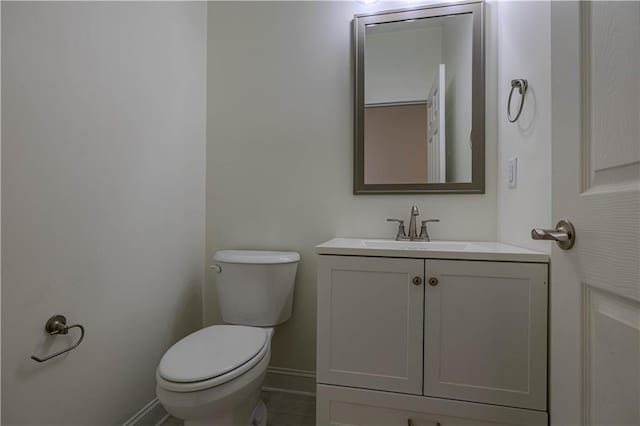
419,101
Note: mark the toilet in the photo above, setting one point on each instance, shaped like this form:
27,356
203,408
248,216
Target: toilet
214,375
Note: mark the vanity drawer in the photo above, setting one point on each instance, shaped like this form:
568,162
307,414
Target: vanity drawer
359,407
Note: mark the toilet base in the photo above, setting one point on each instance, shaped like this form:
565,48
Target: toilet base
258,418
259,415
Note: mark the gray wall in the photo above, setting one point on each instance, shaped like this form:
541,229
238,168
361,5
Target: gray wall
279,150
401,64
103,172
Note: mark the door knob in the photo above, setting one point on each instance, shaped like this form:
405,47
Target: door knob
564,234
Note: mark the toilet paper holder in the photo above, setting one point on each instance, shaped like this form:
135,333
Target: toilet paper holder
57,325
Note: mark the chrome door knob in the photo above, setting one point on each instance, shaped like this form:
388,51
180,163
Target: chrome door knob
564,234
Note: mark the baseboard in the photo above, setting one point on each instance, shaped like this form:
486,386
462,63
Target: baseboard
151,414
290,380
162,420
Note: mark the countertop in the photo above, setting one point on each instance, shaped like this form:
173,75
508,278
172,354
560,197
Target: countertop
461,250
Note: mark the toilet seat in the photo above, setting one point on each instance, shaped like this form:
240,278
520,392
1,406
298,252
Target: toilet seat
212,356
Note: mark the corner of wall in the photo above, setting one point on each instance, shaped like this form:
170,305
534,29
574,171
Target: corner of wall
491,101
523,40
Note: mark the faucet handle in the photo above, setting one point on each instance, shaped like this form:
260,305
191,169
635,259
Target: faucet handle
424,234
401,233
430,220
414,211
400,221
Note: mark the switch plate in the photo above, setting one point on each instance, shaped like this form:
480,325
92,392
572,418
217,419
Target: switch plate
512,172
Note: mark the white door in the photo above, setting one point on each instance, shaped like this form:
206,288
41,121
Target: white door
370,312
595,286
436,152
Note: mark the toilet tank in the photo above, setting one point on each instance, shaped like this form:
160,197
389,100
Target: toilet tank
255,287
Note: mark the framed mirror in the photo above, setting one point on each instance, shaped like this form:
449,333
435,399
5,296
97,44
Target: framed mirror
419,100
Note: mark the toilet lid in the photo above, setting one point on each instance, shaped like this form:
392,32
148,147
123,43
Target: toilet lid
211,352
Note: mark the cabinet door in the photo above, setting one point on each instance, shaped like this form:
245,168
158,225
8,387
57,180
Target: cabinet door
486,332
370,319
348,406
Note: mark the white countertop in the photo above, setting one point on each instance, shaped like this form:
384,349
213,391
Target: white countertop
463,250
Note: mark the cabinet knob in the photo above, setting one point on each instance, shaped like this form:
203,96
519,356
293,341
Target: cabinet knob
433,281
417,280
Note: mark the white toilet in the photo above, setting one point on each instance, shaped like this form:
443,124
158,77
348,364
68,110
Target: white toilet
214,376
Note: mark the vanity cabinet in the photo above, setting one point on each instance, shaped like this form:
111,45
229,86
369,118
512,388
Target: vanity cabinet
434,341
485,332
370,327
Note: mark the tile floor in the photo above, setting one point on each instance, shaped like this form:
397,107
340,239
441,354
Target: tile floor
284,410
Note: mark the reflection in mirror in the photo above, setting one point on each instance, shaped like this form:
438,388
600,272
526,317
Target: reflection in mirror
418,100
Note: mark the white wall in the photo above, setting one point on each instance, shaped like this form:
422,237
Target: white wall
401,64
457,55
524,52
103,171
280,149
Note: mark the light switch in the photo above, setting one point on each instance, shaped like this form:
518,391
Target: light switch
512,172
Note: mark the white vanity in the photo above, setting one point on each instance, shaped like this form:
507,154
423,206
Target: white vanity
431,333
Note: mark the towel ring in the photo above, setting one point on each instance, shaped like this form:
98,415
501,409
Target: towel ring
521,85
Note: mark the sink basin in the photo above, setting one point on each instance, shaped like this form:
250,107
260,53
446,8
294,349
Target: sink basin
415,245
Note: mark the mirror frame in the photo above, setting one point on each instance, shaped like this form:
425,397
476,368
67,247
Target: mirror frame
477,184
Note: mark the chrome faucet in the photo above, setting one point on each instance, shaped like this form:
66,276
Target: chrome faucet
413,234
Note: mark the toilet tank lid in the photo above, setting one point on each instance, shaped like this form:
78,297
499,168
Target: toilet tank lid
261,257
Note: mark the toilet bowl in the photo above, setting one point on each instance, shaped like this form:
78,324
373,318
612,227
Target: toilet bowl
214,375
